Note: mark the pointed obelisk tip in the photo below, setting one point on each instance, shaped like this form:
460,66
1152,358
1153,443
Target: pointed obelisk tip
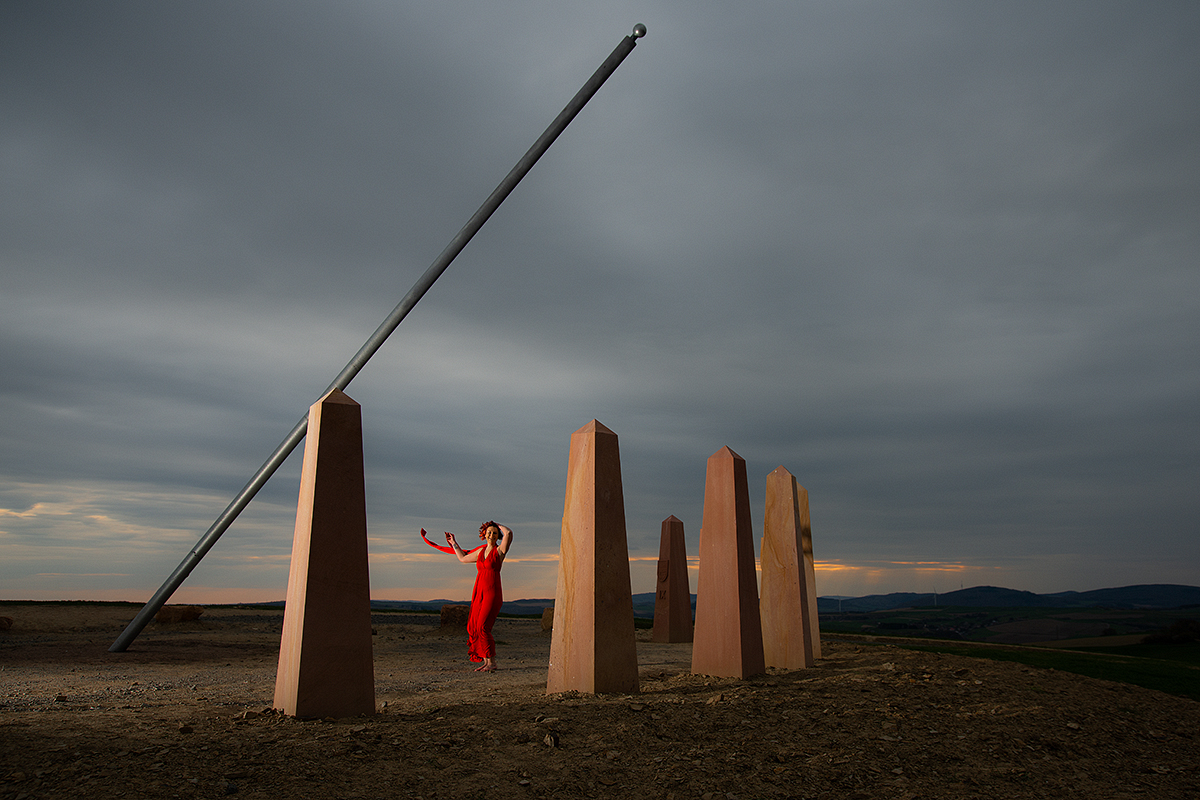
726,452
336,395
639,31
595,426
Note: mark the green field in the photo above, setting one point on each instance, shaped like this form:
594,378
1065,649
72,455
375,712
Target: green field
1006,625
1010,634
1178,674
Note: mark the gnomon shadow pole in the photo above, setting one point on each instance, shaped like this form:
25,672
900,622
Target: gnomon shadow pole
381,334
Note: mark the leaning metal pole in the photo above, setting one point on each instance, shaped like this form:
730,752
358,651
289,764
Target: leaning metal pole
381,334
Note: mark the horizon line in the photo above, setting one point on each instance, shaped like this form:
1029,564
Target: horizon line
635,594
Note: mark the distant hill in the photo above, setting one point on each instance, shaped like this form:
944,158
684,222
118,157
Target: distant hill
643,605
531,607
1159,595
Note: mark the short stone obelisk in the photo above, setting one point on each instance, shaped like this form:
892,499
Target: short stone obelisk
325,658
592,648
672,597
791,633
728,640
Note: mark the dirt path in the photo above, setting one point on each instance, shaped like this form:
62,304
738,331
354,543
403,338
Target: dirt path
186,714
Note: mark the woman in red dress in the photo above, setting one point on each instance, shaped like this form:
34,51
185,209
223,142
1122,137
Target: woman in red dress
487,596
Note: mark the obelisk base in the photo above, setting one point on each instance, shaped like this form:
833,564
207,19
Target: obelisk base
672,597
325,658
791,633
592,647
728,639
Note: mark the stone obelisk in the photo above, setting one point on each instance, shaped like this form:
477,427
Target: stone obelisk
325,658
672,597
791,634
728,640
593,649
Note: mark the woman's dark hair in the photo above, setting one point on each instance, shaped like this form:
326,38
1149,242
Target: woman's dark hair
483,528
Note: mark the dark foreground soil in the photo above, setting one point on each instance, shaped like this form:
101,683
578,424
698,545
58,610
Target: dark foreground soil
186,713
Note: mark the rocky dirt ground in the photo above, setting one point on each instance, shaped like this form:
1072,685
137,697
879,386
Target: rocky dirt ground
186,713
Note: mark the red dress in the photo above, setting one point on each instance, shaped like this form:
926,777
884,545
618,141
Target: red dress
486,600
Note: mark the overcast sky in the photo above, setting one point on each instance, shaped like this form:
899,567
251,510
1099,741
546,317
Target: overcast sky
939,260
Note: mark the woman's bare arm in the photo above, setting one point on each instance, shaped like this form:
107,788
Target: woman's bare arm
506,537
461,554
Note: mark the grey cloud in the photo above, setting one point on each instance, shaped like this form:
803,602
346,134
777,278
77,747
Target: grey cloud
937,260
